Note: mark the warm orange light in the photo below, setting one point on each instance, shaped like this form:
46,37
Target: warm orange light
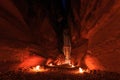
31,61
81,70
37,68
51,64
72,66
58,64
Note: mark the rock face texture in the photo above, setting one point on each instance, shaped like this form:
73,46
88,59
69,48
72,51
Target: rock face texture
103,31
26,28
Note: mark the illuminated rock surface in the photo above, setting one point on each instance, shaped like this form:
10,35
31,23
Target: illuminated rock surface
23,35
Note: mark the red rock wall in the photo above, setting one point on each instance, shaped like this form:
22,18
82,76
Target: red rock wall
96,20
103,31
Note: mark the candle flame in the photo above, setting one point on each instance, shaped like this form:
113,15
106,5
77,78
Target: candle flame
81,70
36,68
51,64
72,66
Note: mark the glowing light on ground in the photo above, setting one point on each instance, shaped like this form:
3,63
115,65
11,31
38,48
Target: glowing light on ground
81,70
37,68
58,64
51,64
72,66
31,61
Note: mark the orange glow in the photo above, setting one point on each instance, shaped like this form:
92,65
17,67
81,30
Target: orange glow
37,68
51,64
93,63
49,61
32,61
58,63
81,70
72,66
